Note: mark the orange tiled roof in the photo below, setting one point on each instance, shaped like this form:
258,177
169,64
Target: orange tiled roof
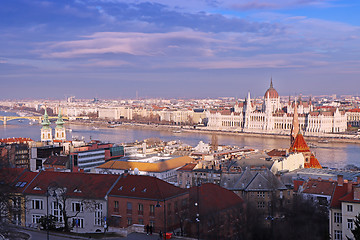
148,167
299,144
314,163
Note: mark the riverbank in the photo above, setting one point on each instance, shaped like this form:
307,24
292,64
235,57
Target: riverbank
187,129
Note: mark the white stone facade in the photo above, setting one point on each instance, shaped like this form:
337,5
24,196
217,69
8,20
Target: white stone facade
274,118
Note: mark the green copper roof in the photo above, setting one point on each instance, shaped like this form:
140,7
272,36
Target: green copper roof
60,122
46,123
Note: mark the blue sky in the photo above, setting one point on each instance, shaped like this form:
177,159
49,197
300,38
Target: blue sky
176,48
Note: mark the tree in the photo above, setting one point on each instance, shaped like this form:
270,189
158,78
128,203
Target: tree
61,196
48,222
356,230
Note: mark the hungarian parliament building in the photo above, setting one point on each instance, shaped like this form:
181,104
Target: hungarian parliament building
272,117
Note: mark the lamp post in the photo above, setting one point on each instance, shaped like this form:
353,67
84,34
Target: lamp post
47,213
158,206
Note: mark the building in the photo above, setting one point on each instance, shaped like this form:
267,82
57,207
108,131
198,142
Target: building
214,213
272,117
146,200
87,160
60,133
162,167
78,201
344,206
259,187
57,163
46,131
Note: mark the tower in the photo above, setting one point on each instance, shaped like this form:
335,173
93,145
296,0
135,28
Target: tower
60,133
295,125
46,132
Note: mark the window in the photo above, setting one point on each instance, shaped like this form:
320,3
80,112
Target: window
349,208
168,210
337,235
37,204
350,224
56,211
36,218
176,206
141,221
78,222
129,208
129,221
98,214
140,209
116,206
261,204
152,210
261,194
77,207
152,223
337,217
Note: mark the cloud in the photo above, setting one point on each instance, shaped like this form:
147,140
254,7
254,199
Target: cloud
208,5
137,44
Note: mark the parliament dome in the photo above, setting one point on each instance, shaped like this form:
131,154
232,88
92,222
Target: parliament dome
271,92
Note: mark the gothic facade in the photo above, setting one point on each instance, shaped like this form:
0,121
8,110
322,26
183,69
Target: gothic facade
273,117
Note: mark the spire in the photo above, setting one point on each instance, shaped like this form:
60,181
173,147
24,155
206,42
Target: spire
271,83
46,123
60,122
295,128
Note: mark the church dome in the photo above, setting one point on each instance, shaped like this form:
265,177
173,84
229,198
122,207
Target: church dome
271,92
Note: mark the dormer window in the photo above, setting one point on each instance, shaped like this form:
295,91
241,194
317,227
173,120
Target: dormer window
36,188
120,188
133,190
144,190
77,190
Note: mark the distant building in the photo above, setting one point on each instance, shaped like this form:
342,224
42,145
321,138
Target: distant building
274,118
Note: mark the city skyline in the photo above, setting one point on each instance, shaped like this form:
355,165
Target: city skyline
114,48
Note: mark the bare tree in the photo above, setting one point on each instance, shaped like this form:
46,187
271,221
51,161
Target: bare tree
60,193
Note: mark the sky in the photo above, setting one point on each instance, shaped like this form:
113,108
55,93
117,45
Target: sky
113,49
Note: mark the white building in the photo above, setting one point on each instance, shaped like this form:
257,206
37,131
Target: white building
274,118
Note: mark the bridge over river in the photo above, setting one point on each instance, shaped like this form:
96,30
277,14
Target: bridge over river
5,119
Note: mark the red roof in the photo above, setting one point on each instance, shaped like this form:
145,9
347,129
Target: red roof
314,163
57,160
77,184
213,198
354,110
340,192
319,186
299,144
145,187
276,153
297,184
187,167
15,140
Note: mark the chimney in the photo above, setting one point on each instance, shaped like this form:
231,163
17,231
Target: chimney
357,192
358,179
340,180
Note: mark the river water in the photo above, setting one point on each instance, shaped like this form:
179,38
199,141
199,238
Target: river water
333,155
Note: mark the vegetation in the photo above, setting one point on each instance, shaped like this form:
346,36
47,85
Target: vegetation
356,230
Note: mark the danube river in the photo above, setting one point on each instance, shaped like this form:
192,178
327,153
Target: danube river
333,155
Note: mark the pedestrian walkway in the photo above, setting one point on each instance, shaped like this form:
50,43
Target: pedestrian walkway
143,236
